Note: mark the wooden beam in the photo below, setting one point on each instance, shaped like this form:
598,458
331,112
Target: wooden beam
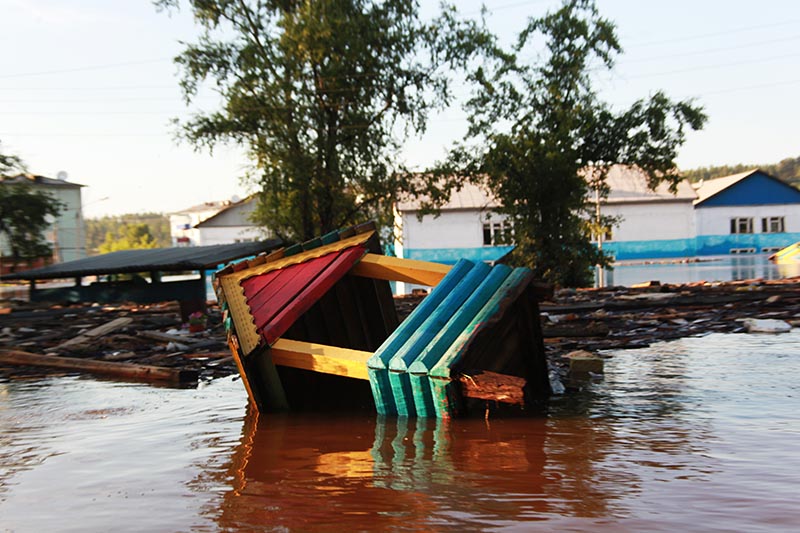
93,334
485,385
321,358
396,269
105,368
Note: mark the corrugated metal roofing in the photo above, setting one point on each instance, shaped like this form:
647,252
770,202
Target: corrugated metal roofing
412,370
470,196
279,297
629,185
157,259
256,293
626,185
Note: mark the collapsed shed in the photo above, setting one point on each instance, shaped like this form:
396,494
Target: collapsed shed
154,262
314,326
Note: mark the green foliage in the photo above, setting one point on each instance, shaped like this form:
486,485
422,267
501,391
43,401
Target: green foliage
10,164
128,236
321,93
788,170
24,216
544,141
97,229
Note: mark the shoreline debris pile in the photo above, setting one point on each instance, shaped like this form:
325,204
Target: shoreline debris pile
129,340
590,321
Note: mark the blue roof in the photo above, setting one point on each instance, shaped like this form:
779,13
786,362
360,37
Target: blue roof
749,188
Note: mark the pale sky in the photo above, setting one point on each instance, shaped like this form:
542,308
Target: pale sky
89,87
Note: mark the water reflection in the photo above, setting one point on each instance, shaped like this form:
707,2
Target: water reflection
342,473
716,268
695,434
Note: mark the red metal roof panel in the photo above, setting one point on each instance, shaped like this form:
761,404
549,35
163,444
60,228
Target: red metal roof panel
278,298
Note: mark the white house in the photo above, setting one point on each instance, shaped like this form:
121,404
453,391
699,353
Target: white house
67,233
751,212
652,223
467,228
182,223
231,224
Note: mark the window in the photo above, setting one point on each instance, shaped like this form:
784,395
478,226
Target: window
497,233
607,235
742,225
772,225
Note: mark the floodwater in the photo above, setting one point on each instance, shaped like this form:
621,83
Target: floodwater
711,268
699,434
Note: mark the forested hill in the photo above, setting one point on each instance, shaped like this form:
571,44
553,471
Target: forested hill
788,170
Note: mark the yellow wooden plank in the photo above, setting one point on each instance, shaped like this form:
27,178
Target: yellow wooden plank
240,312
321,358
396,269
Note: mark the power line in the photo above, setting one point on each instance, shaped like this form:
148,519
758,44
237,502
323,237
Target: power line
84,68
706,67
708,51
717,34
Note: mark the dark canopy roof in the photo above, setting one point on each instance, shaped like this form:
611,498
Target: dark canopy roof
152,260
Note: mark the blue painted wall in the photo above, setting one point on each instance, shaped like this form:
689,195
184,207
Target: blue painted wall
651,249
631,250
449,256
757,189
701,245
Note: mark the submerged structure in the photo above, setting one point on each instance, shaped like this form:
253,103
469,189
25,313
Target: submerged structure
314,326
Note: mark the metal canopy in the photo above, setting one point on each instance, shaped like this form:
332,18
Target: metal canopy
153,260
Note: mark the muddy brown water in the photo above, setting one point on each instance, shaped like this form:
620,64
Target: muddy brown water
700,434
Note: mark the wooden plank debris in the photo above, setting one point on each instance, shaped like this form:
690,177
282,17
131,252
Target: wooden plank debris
93,334
491,386
104,368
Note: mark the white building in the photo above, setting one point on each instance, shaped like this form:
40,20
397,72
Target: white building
466,227
652,223
230,225
751,212
223,222
67,233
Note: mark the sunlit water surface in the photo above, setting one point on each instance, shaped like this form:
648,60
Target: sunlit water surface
700,434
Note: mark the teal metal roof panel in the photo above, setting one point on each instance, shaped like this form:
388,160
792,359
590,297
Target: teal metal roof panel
435,337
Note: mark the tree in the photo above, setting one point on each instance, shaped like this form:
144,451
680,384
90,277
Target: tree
546,141
24,216
128,236
321,93
10,163
98,229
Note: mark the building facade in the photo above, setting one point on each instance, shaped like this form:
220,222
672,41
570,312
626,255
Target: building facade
651,223
750,212
67,233
231,225
224,222
467,227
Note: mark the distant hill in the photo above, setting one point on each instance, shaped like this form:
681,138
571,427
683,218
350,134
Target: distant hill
788,170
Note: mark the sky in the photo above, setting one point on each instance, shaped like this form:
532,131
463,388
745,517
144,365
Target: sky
88,87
